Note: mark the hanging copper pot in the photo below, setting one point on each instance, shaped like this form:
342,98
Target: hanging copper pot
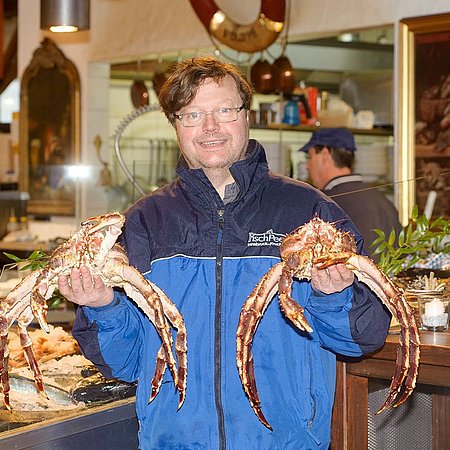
139,94
261,77
283,75
159,78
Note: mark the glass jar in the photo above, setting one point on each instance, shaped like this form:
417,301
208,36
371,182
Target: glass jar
432,309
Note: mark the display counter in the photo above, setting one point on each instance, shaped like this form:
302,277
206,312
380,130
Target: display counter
112,426
350,429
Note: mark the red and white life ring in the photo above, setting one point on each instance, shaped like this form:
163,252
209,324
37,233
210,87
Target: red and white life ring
250,38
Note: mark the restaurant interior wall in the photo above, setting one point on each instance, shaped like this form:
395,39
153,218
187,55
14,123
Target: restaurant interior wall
158,27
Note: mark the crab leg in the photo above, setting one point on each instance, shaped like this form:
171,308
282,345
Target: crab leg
16,305
414,351
27,345
291,309
122,275
408,351
24,320
153,305
4,377
251,314
176,319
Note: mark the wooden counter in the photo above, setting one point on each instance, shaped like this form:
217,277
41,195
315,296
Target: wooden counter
350,431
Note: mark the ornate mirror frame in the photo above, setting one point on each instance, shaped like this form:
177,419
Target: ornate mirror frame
49,135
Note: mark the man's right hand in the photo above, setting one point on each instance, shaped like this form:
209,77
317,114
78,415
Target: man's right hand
85,289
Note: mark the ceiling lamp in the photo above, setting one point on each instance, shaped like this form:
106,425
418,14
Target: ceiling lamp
64,16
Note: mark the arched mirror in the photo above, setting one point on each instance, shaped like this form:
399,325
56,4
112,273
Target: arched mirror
49,132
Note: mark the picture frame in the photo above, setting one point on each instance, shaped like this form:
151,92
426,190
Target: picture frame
423,164
49,132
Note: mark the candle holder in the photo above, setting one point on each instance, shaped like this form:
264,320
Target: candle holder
433,309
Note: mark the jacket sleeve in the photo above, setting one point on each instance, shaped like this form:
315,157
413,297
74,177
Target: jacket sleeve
352,322
100,332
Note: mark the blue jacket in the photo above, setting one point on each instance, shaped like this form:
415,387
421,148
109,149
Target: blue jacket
207,257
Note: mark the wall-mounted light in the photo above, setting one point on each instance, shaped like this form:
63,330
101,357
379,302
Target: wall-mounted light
64,16
348,37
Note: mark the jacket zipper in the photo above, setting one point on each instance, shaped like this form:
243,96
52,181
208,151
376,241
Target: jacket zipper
218,335
311,387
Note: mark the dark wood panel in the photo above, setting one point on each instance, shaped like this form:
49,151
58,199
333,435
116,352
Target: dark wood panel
428,374
441,425
350,421
338,426
357,400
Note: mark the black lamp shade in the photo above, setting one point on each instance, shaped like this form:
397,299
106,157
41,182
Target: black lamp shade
73,15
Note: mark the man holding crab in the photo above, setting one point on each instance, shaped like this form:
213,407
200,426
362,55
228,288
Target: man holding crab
206,239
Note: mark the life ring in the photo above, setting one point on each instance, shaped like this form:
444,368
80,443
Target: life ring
250,38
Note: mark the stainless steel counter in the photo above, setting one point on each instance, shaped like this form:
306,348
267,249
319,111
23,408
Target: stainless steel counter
112,426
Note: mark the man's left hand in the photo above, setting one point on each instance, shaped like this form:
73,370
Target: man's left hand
334,278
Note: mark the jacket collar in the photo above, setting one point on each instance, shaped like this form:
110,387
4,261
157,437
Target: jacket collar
342,179
246,173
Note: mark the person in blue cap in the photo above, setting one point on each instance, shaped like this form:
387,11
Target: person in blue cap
331,156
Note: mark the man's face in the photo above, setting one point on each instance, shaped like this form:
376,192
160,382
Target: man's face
214,145
316,167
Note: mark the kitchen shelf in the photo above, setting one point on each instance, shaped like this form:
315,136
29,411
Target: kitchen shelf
282,142
312,128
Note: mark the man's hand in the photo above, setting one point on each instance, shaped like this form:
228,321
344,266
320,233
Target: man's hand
334,278
85,289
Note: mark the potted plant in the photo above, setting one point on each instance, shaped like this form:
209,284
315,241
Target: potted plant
419,240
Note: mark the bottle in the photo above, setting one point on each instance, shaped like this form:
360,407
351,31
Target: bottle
291,115
23,223
324,97
12,224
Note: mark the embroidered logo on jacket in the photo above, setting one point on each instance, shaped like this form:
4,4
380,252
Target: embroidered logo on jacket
263,239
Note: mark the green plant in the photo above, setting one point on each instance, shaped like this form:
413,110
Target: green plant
36,260
419,238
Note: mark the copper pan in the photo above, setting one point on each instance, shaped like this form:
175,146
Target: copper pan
261,77
139,94
283,75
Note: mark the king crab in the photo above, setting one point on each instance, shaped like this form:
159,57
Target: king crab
321,244
94,246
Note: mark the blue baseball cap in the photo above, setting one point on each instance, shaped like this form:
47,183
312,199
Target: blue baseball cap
331,137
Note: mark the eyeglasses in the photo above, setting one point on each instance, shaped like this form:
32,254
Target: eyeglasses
221,115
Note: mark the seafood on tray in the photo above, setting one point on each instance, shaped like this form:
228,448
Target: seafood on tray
50,346
322,244
93,245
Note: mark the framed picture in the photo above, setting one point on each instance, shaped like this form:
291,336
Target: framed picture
49,131
424,115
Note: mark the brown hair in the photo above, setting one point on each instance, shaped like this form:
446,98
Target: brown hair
341,156
182,85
